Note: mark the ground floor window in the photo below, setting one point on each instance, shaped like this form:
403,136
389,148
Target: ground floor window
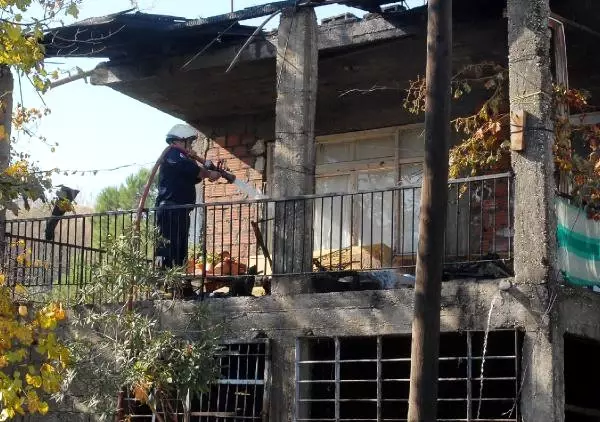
581,401
367,378
241,394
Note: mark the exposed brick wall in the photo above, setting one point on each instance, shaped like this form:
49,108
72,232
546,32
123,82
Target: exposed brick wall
240,155
228,226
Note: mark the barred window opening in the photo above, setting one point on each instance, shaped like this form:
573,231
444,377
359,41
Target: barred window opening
367,378
241,393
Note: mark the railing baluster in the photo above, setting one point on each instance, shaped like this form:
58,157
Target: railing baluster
457,250
510,223
469,222
351,229
393,219
481,215
381,242
341,245
495,210
362,222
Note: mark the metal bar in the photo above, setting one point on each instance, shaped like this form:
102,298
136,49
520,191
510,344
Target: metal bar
412,234
239,240
330,232
236,390
298,376
255,386
362,223
457,250
231,239
337,378
227,384
510,219
469,375
321,235
50,242
267,381
371,233
392,244
68,266
31,256
469,223
351,230
341,245
82,269
379,379
246,372
381,239
303,259
481,230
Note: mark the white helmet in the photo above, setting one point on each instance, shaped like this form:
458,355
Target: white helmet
181,133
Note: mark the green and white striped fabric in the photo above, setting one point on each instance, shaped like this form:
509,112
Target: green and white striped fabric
578,245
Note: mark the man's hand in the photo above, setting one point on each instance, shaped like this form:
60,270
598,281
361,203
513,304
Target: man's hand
213,176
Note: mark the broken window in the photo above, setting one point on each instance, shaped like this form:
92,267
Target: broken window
366,162
581,400
367,378
241,393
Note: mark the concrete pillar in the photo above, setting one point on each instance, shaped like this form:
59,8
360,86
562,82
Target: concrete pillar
283,363
531,92
294,152
529,36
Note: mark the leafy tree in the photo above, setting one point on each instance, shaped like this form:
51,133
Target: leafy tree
33,363
125,349
127,196
32,359
123,198
21,28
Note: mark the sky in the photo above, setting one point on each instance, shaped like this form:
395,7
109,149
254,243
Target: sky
97,128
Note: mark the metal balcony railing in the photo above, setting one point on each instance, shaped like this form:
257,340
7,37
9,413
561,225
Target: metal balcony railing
236,243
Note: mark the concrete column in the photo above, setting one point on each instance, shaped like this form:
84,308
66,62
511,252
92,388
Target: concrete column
283,369
529,36
542,395
531,92
294,152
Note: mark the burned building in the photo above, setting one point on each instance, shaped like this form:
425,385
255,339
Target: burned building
313,118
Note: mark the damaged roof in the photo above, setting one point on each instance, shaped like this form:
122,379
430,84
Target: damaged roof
125,34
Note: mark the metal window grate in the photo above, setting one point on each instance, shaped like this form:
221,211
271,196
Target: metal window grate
367,378
241,394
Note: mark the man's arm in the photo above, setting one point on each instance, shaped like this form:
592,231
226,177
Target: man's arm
211,175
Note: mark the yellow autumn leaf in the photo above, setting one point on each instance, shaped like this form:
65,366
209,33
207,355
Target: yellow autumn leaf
20,289
140,394
43,408
23,310
34,380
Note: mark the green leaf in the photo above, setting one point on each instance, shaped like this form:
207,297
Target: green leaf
72,10
13,32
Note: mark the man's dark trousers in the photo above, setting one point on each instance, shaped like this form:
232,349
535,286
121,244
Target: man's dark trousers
173,227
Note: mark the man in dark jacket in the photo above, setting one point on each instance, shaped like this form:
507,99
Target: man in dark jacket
177,179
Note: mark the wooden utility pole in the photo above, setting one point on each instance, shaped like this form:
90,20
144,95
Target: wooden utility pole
422,402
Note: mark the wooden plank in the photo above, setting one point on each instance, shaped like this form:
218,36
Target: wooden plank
517,130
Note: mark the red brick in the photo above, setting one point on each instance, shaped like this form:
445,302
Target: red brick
220,140
233,140
241,151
